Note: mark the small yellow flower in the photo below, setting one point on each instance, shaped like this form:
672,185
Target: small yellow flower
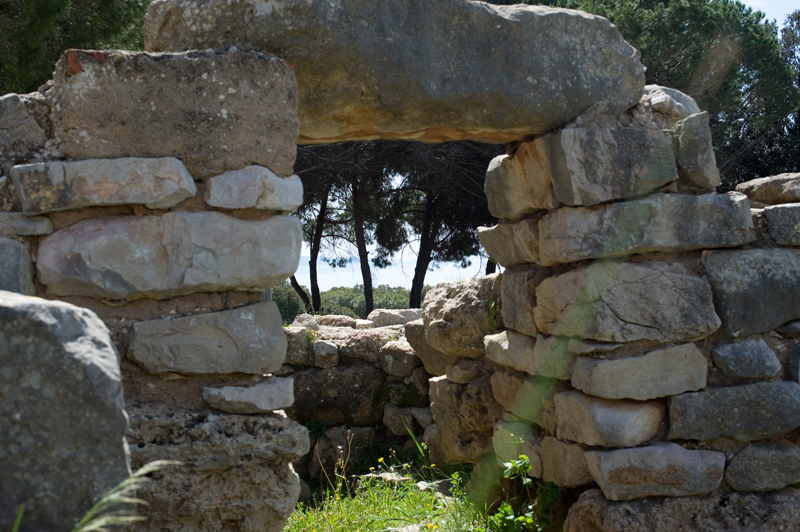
433,465
380,460
393,451
430,525
372,469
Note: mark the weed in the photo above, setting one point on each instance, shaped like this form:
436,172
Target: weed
492,314
316,430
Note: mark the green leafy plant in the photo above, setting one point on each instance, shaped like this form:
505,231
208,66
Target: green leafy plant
18,520
492,314
316,430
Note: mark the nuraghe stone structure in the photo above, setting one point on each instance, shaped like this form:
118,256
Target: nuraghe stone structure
646,343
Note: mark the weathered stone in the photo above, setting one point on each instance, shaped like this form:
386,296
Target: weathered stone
614,302
524,353
421,77
365,344
739,512
16,268
773,190
435,361
479,410
339,448
697,166
662,222
398,358
660,373
423,416
764,467
400,316
398,420
608,423
298,347
465,370
518,293
672,104
663,469
326,354
511,244
273,393
790,329
17,224
783,222
510,440
244,340
179,253
255,187
555,356
755,290
352,392
213,111
307,321
62,423
456,315
21,134
563,463
518,185
235,471
751,359
58,185
529,398
336,320
364,324
745,413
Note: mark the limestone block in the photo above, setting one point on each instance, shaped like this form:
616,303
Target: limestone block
790,329
783,222
255,187
512,439
336,320
17,224
455,315
555,356
435,361
21,134
660,470
523,353
621,302
298,347
755,290
235,470
764,467
62,418
465,370
406,70
352,394
697,166
423,416
244,340
273,393
593,421
16,268
398,358
179,253
398,420
518,293
364,324
659,373
518,185
326,354
661,222
773,190
398,316
307,321
672,104
213,111
563,463
57,185
511,244
750,359
478,410
528,398
747,412
365,344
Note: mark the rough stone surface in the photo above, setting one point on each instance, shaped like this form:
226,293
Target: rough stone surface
244,340
591,166
593,421
563,463
755,290
236,472
307,321
528,398
555,356
298,347
730,512
518,293
398,420
518,185
326,354
21,134
17,224
773,190
274,393
510,440
783,223
670,103
365,344
435,361
661,222
336,320
524,353
423,416
747,412
398,358
213,111
62,423
750,359
512,244
399,316
664,469
697,165
456,315
179,253
659,373
57,185
364,324
465,370
790,329
422,74
16,268
764,467
335,446
255,187
613,302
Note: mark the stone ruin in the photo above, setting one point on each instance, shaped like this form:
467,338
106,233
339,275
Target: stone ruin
645,349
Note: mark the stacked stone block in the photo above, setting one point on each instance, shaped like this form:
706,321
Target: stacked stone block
154,189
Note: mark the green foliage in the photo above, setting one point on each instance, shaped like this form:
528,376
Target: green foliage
351,301
18,520
34,33
289,303
492,314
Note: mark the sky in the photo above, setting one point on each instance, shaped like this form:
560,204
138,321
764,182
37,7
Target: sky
402,272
